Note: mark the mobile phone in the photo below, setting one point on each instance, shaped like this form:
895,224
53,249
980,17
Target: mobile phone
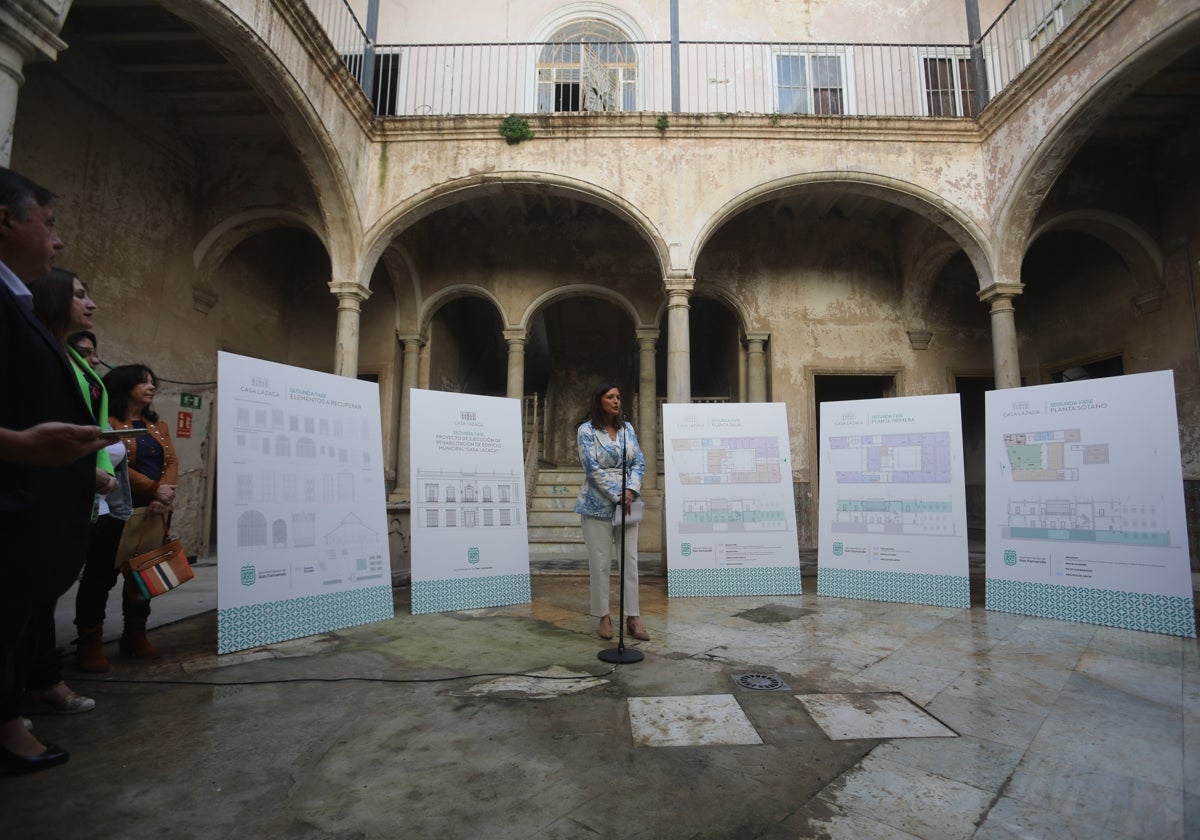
123,433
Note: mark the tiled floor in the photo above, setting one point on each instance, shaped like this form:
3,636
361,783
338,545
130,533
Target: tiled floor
894,721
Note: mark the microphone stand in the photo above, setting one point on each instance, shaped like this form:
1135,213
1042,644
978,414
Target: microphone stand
620,655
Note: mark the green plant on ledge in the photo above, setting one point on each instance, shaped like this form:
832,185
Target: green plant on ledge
514,129
661,124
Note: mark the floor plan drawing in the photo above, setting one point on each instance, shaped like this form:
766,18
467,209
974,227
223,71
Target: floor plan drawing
734,460
1055,455
912,458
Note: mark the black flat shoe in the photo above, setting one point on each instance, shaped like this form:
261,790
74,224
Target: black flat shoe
12,763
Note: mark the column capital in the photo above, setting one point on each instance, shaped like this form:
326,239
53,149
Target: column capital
759,337
350,295
31,30
410,341
1000,292
515,335
676,286
647,334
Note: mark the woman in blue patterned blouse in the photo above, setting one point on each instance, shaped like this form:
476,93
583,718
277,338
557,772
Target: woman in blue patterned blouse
601,437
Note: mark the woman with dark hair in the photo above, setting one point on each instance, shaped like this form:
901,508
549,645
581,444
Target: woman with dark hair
153,473
99,570
62,303
604,441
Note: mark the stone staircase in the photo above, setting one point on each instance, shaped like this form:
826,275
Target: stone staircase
553,524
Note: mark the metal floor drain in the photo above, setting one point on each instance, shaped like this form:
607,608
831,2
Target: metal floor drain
760,682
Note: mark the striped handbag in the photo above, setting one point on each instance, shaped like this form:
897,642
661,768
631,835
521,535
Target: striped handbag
159,570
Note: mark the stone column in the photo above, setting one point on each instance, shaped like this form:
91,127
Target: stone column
350,300
28,31
756,366
679,351
516,362
1005,360
409,371
647,421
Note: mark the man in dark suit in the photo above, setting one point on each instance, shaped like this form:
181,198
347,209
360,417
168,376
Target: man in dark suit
47,465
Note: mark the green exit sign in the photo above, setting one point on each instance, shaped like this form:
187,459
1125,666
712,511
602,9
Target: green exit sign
189,400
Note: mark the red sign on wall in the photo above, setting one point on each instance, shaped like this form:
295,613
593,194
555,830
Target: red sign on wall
183,425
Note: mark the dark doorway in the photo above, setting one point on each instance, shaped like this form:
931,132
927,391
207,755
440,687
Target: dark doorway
1099,369
970,391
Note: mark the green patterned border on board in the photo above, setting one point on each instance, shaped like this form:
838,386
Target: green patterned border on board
707,583
898,587
239,628
1173,616
431,596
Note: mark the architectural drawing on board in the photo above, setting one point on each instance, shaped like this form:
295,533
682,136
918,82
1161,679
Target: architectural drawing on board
351,531
463,499
910,517
1091,521
1055,455
731,516
251,529
913,458
733,460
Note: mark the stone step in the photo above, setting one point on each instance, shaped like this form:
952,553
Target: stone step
538,518
568,534
560,476
553,503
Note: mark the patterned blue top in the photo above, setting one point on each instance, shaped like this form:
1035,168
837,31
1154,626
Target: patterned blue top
601,460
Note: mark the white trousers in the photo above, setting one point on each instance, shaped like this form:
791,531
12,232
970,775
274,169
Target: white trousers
603,543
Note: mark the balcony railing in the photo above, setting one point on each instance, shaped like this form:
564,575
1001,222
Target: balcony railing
1020,33
708,77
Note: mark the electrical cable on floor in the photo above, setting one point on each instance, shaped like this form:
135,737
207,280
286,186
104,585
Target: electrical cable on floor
328,679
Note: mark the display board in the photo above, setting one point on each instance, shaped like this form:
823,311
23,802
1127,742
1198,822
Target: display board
892,521
470,534
729,509
301,521
1085,505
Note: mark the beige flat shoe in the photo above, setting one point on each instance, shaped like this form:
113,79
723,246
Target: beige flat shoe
634,627
606,630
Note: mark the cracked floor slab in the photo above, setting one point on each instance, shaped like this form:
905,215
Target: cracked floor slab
872,715
548,683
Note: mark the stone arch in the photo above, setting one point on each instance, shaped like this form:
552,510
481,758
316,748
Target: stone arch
291,102
413,209
920,281
451,293
722,296
1018,210
224,237
398,262
579,290
1140,253
955,222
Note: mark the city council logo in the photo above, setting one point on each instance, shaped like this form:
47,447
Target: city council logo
248,575
473,555
1010,557
838,548
686,549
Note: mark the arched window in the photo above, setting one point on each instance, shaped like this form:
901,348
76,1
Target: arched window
251,529
587,65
